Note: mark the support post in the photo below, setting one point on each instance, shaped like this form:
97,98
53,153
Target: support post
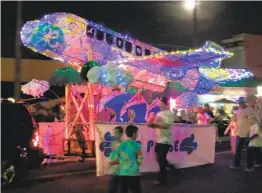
91,112
68,109
195,26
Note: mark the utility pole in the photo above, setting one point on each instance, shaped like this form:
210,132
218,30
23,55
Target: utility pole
17,85
191,6
195,26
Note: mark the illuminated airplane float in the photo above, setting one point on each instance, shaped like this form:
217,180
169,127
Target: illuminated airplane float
69,38
124,63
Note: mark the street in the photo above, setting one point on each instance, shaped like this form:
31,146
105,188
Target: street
80,178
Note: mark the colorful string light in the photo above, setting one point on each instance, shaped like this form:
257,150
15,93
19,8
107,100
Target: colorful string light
220,75
71,35
65,37
173,65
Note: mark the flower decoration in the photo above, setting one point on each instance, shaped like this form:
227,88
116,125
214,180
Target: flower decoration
48,37
28,30
35,88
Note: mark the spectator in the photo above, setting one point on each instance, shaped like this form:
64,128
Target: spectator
243,130
254,145
208,112
201,118
232,127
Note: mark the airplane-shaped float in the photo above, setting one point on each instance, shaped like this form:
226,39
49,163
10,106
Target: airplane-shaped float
67,38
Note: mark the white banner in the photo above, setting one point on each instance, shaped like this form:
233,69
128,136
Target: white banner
193,145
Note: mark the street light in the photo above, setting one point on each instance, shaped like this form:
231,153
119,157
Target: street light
191,5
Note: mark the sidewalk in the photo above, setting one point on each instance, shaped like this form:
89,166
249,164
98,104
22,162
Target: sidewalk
66,167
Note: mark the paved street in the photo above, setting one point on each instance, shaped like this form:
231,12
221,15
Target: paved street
215,178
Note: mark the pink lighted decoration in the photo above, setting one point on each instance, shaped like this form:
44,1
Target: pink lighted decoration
35,88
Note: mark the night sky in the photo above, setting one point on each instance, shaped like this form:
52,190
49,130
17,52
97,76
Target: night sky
163,24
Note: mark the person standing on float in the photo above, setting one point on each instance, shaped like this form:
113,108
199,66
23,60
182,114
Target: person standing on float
163,125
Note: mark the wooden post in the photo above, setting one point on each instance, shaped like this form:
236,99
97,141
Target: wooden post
91,112
91,100
68,109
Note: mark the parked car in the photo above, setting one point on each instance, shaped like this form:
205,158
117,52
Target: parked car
19,143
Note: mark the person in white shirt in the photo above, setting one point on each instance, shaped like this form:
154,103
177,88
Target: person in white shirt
254,145
243,130
163,124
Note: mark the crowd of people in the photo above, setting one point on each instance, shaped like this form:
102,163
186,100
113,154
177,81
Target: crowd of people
246,131
126,156
200,115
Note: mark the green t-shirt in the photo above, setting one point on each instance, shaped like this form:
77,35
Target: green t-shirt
114,169
129,155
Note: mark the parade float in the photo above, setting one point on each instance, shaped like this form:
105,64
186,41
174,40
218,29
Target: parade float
111,79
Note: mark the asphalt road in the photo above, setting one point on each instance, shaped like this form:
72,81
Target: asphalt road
215,178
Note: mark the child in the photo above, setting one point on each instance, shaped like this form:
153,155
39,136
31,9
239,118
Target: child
114,181
129,158
232,127
201,118
254,144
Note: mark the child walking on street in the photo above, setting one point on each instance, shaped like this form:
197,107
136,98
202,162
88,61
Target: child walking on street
232,127
254,145
114,182
129,158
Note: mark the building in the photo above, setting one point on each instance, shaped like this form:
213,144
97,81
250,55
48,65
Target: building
247,51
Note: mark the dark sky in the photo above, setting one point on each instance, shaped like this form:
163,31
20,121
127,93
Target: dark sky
155,23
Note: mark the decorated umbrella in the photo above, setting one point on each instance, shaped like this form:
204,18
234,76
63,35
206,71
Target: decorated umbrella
66,75
224,101
35,88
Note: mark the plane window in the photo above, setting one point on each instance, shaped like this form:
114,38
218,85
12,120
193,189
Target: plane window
147,52
90,31
99,35
128,47
109,38
119,43
138,51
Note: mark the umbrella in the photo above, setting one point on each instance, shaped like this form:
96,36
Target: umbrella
66,75
224,101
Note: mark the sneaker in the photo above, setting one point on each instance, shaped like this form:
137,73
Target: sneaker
170,167
249,169
157,183
257,165
233,167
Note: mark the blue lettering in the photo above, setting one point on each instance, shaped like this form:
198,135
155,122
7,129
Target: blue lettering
176,144
150,144
171,148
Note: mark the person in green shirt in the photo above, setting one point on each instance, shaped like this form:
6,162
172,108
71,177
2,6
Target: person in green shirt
114,182
129,158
